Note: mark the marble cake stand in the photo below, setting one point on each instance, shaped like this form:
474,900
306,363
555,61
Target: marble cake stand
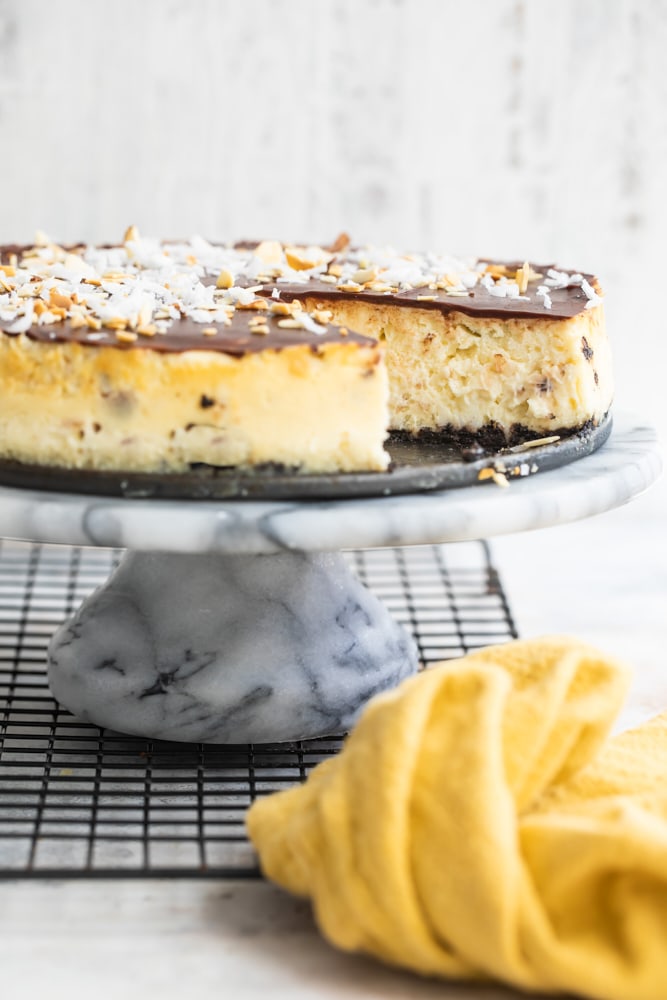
234,622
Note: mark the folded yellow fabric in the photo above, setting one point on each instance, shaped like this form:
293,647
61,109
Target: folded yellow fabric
477,825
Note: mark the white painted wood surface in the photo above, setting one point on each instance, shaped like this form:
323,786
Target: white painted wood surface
533,128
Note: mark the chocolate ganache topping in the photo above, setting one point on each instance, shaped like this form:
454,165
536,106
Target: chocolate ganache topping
196,295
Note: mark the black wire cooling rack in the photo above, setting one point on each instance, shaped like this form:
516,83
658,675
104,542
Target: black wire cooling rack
79,801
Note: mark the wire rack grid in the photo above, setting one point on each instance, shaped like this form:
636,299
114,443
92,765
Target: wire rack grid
78,801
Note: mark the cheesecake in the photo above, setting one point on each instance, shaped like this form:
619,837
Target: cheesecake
158,356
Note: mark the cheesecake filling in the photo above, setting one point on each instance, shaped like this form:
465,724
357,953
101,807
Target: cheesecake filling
65,405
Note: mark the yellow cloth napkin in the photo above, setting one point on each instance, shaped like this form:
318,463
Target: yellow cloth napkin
476,825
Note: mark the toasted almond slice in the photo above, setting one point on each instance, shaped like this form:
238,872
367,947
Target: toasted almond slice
257,304
289,324
91,281
364,274
281,308
379,286
126,336
305,258
336,270
131,234
115,276
322,316
340,244
269,252
77,320
209,331
115,323
145,313
521,277
498,270
147,330
329,279
92,322
8,270
59,300
261,330
39,307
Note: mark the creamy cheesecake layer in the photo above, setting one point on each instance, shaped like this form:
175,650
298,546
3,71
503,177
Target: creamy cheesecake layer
449,370
71,405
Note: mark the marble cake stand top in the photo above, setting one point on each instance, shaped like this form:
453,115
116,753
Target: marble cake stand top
624,467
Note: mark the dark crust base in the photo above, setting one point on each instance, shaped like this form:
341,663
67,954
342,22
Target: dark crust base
491,437
419,463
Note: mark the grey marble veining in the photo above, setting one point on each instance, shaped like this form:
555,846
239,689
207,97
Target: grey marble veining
621,469
228,649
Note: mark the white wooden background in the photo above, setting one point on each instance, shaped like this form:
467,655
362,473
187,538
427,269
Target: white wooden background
529,128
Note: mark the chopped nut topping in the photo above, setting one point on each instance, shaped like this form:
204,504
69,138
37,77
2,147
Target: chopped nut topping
269,252
225,279
143,287
282,308
289,324
499,478
340,244
60,301
365,274
521,278
306,258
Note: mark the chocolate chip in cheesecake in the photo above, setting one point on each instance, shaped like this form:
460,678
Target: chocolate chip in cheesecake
205,402
586,349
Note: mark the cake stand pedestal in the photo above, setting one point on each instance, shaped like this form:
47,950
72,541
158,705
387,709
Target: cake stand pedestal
236,622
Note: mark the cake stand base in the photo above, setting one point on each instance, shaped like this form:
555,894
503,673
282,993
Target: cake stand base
228,648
